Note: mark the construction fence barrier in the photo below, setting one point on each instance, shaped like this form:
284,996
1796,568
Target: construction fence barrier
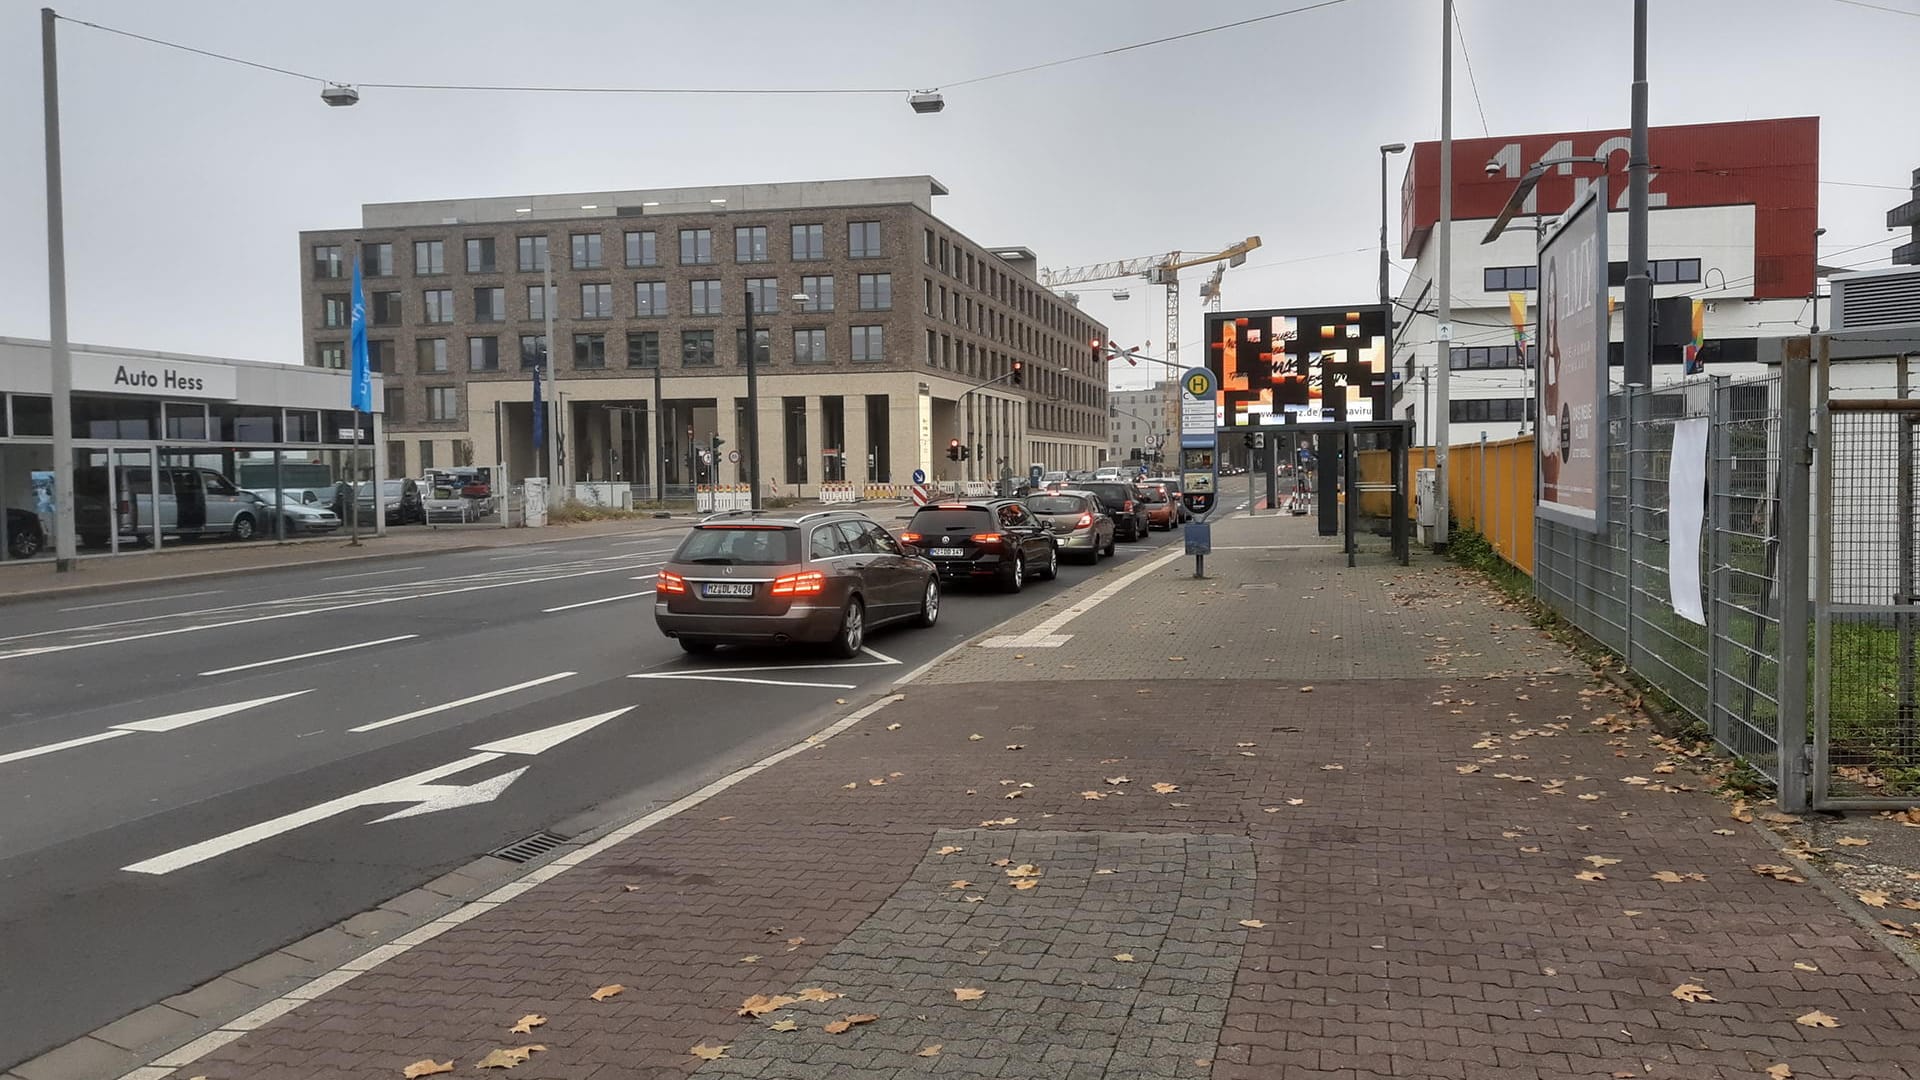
713,498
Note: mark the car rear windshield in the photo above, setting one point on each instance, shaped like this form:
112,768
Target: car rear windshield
1056,504
740,545
933,521
1112,494
1155,493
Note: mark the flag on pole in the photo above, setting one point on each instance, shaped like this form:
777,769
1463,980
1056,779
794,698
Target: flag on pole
1694,363
362,392
1517,308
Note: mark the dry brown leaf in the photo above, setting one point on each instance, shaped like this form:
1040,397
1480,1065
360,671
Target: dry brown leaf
851,787
1629,912
1252,924
1601,860
1269,809
1778,873
1306,689
1465,769
816,993
426,1067
973,898
968,993
950,850
507,1057
1166,789
1017,746
1333,768
1001,862
1873,898
1782,1071
710,1053
838,1027
784,1025
750,958
1818,1019
527,1024
1015,793
1296,802
1723,832
761,1004
1591,875
878,781
1587,798
1090,796
975,737
1024,870
1668,876
607,991
1780,819
1530,850
1119,780
1852,841
999,821
796,941
1636,781
1104,870
893,727
930,1051
1124,957
1802,965
1244,745
1025,885
960,883
1691,992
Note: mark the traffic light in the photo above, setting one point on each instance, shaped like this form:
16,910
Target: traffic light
953,449
1099,352
1019,373
1247,439
966,453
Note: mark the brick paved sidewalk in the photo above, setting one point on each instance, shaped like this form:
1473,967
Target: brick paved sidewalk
1428,865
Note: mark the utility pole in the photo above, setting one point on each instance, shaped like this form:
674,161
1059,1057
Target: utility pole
553,414
657,425
1638,326
752,456
65,549
1443,278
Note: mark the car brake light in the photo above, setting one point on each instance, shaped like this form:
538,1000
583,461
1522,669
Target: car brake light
668,581
986,538
1127,507
911,538
1085,520
804,583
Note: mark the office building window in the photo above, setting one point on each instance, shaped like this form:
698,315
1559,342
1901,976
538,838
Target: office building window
443,403
483,353
537,297
696,247
765,292
376,260
379,356
426,451
327,262
396,459
480,255
586,251
649,299
809,346
643,348
1491,410
876,292
596,301
704,297
430,355
819,293
429,256
869,343
1490,357
696,348
490,305
589,350
643,248
863,240
439,304
1510,278
750,244
533,253
809,242
533,350
396,405
763,355
927,255
386,309
328,354
335,310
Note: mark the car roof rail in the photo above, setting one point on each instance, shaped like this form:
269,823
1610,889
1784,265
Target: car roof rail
730,514
830,513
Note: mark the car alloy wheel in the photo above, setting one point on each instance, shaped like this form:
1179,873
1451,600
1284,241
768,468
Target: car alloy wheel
1053,563
930,603
243,527
853,630
1019,578
25,545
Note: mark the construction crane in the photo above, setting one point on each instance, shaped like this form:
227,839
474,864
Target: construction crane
1158,270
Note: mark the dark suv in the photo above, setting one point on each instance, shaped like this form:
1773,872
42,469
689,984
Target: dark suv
987,538
1126,505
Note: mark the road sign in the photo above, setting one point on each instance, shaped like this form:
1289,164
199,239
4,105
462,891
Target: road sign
1198,382
1034,475
1197,406
733,457
919,476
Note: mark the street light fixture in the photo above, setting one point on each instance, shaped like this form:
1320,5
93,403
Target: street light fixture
1389,148
1517,200
926,101
339,94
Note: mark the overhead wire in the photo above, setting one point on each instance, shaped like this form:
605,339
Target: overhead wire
1471,80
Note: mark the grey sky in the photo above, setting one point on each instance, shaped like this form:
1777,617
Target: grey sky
188,179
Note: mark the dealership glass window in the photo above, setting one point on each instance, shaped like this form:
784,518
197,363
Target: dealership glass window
327,262
649,299
586,251
443,403
596,300
876,292
302,426
533,253
696,348
810,346
819,292
335,310
480,255
537,297
643,348
533,349
32,415
184,420
765,293
379,355
376,260
114,417
863,240
490,304
386,309
243,423
750,244
643,248
329,354
869,343
395,405
589,350
809,242
429,256
483,353
430,355
696,247
704,297
439,304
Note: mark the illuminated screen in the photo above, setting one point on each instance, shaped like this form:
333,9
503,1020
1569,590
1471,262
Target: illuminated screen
1299,367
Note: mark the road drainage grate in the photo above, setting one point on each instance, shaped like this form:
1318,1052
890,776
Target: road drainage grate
530,848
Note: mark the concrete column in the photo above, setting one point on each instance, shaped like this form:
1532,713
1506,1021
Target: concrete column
816,441
853,407
774,466
727,424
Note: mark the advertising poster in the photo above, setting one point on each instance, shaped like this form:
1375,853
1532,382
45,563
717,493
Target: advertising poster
1572,352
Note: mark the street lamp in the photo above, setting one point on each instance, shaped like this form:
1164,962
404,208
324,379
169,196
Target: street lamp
1389,148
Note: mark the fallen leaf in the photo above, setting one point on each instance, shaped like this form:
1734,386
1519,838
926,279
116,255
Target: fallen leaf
975,738
967,993
1723,832
1124,957
796,941
1781,1071
931,1051
1465,769
816,993
1587,798
1691,992
1818,1019
973,898
750,958
1333,768
709,1053
838,1026
1306,689
1296,802
878,781
631,888
426,1067
1024,870
1166,789
783,1025
1780,819
851,787
1873,898
1778,873
1668,876
1802,965
1530,851
1591,875
1269,809
1015,793
1852,841
839,701
1244,745
950,850
1025,885
1103,870
1001,862
1636,781
527,1024
508,1057
607,991
1252,924
1176,658
761,1004
1601,860
893,727
1629,912
1119,779
999,821
1017,746
959,883
1091,795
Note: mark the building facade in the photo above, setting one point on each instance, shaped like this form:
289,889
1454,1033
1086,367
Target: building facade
1142,423
882,334
1733,211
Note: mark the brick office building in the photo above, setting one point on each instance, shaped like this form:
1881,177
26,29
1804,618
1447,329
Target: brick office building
866,379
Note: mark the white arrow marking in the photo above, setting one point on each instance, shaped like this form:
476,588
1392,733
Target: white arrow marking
417,788
195,716
431,709
36,751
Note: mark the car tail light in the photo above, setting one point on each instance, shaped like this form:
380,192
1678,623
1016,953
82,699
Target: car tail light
805,583
1127,507
990,539
911,538
1085,520
668,581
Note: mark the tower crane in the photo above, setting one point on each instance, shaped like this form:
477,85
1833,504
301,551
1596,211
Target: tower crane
1158,270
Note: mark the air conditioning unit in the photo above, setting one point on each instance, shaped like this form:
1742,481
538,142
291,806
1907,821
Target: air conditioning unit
1876,298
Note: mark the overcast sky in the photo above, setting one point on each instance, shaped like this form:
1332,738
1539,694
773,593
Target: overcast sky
187,179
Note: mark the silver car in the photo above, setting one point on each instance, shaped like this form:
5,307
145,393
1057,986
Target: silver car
1079,523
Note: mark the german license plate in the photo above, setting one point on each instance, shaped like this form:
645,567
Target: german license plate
947,553
727,588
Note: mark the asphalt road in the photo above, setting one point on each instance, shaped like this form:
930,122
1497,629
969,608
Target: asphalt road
194,775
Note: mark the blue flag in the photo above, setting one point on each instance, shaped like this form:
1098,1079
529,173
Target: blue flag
539,416
362,397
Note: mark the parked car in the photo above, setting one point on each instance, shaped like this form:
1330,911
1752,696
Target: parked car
1179,498
307,481
191,502
755,578
402,499
1125,503
25,535
1080,524
986,538
457,509
300,515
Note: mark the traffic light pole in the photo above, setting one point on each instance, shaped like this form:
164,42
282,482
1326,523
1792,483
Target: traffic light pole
961,401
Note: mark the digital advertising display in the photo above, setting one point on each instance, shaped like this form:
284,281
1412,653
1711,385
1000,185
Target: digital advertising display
1299,367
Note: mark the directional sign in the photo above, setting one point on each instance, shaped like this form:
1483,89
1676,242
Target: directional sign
419,788
919,476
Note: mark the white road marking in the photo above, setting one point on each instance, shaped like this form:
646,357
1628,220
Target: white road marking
643,577
1047,635
880,659
430,710
373,573
196,716
144,600
21,755
602,600
309,655
545,739
450,796
757,682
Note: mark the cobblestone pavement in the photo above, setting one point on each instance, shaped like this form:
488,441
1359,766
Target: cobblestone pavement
1491,873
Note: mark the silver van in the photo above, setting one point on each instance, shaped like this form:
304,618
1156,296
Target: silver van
192,502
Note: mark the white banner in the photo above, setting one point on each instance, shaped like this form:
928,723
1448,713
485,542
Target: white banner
1686,508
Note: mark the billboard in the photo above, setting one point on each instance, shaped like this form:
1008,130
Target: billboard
1572,389
1306,366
